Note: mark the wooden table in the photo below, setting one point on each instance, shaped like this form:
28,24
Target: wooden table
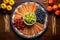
46,36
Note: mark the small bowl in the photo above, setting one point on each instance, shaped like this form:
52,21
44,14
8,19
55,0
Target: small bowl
28,23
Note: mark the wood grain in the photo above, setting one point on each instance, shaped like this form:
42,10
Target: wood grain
46,36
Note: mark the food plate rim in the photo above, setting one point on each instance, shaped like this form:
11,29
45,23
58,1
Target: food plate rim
23,36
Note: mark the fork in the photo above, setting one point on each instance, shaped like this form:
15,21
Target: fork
53,24
7,22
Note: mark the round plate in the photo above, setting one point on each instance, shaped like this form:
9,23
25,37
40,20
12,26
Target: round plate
41,21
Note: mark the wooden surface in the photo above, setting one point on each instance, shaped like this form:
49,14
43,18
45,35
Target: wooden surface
46,36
